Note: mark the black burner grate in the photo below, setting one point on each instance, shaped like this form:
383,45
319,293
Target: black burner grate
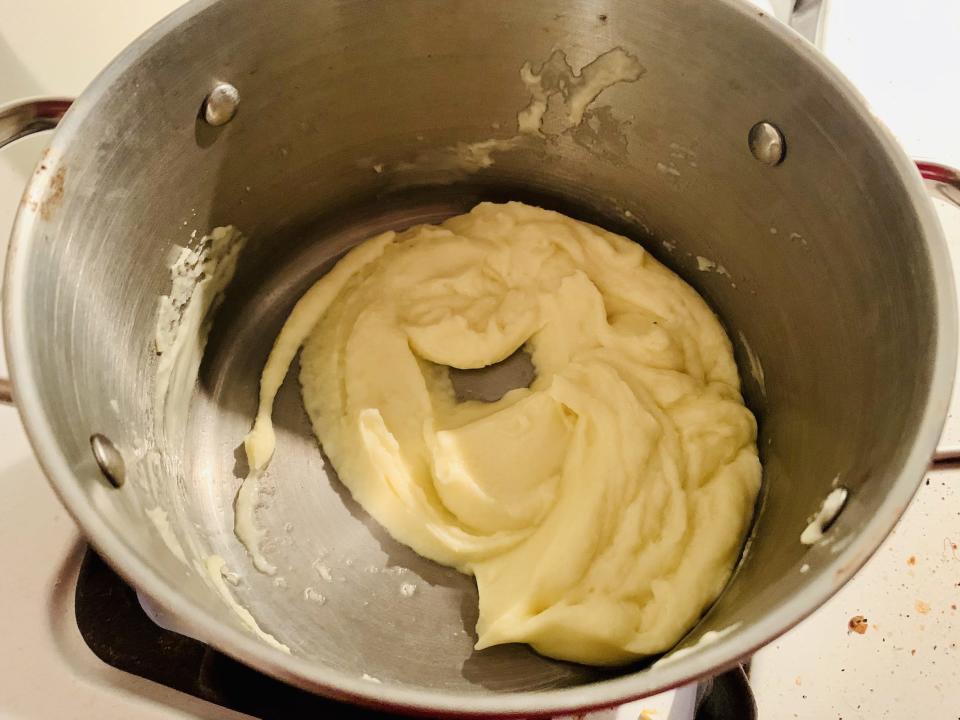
120,633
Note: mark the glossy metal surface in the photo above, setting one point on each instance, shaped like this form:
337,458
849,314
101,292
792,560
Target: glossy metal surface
19,119
941,181
108,459
807,18
767,143
943,184
839,288
221,104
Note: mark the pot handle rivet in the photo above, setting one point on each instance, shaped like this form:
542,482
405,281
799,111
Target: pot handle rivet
767,143
221,104
108,459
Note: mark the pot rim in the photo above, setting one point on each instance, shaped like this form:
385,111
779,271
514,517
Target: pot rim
708,660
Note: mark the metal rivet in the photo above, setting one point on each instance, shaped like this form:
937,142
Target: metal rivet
829,511
767,143
220,105
108,459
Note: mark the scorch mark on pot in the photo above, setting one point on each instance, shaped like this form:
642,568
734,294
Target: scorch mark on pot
54,195
45,193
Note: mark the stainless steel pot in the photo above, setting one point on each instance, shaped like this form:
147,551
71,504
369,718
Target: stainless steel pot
354,117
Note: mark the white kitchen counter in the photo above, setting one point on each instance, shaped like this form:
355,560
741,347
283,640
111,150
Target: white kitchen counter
901,55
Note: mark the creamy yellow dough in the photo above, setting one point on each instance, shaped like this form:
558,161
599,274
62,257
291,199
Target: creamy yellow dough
602,508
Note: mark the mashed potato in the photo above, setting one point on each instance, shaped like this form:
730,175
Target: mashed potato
602,508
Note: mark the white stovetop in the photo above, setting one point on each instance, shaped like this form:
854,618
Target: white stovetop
907,664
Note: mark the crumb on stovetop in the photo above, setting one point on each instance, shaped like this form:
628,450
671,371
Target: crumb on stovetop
857,624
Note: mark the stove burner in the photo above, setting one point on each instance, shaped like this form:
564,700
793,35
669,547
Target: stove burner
120,633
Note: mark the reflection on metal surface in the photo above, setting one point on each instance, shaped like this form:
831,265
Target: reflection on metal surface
25,117
807,18
941,180
18,120
943,183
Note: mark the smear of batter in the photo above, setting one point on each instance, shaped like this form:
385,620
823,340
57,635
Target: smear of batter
198,277
158,516
832,504
708,638
600,509
245,526
216,571
574,92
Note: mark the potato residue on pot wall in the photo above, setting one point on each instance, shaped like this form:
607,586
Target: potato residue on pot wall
561,103
198,277
600,509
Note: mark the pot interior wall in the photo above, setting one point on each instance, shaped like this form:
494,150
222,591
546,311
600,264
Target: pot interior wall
348,115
